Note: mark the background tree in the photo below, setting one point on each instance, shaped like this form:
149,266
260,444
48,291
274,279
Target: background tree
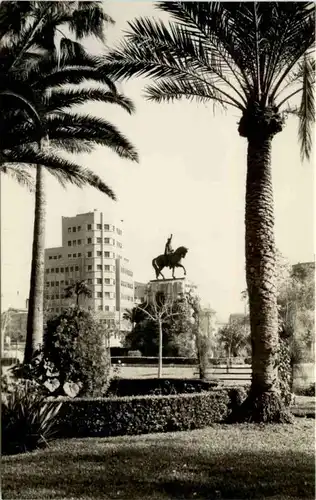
78,289
202,340
235,338
255,57
178,339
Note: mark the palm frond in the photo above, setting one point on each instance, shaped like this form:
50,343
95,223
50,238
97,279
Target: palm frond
64,170
20,174
58,99
307,110
169,90
154,50
89,19
92,129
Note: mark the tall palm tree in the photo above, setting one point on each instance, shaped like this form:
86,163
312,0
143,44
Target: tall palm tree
70,131
256,58
77,289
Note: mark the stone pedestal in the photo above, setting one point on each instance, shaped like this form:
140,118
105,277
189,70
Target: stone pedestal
172,288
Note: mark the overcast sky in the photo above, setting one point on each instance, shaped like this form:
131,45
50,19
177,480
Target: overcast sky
190,181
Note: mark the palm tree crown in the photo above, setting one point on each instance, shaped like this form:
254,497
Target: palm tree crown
252,56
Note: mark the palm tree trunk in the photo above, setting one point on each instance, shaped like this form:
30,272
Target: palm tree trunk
35,317
264,402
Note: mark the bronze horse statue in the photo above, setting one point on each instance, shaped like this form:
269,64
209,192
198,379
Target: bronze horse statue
171,260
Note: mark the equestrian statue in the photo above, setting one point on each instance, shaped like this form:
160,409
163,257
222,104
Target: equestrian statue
171,258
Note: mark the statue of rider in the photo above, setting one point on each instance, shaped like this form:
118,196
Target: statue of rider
168,248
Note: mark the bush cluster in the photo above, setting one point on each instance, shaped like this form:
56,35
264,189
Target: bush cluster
145,414
27,419
149,386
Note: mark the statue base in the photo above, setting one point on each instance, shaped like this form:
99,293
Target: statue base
173,288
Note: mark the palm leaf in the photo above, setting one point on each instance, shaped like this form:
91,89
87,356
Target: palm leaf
58,99
19,174
92,129
307,109
64,170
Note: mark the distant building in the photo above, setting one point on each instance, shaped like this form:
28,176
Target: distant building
140,292
91,250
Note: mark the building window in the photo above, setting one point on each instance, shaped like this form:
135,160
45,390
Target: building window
47,283
99,226
66,282
59,256
47,271
89,281
61,269
62,282
74,255
69,243
89,268
106,254
118,231
69,256
55,257
107,295
66,269
79,242
89,241
119,244
52,270
52,297
99,267
99,240
74,243
107,281
79,228
99,281
71,269
99,254
89,254
106,308
77,268
99,294
99,308
57,270
74,229
89,227
106,240
106,227
69,229
50,257
79,254
57,296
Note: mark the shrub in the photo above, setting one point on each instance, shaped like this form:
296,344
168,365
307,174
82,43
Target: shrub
285,371
27,418
74,353
163,386
144,414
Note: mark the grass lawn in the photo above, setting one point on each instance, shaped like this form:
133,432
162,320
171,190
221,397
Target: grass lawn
222,461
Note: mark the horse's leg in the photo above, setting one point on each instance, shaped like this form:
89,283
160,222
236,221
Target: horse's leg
180,265
173,272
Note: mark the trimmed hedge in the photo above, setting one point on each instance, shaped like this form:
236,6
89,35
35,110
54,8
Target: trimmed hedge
163,386
145,414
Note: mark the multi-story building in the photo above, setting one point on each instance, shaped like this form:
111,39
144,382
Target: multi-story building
91,250
140,292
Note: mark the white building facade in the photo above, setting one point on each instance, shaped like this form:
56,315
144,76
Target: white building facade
92,250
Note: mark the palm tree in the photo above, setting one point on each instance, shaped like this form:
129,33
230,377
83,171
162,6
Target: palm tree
77,289
255,57
131,315
72,132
